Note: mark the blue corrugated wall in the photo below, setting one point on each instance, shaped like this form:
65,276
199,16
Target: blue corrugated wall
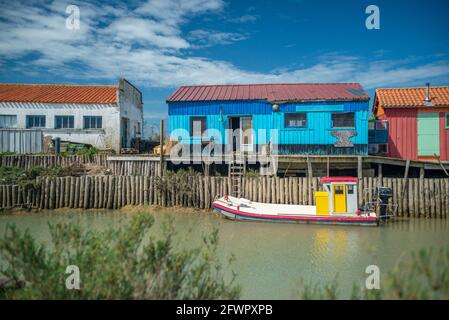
318,131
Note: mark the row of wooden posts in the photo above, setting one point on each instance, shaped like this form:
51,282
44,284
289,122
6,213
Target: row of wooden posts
135,167
116,167
29,160
415,197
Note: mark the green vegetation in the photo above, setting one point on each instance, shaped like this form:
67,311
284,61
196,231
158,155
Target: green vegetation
425,276
251,173
79,151
14,175
181,182
123,262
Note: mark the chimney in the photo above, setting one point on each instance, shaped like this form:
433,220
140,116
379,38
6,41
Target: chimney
427,99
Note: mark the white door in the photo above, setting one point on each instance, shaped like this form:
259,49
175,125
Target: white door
246,134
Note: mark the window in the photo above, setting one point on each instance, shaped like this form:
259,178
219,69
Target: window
93,122
339,190
35,122
343,120
64,122
350,189
295,120
447,120
197,126
8,121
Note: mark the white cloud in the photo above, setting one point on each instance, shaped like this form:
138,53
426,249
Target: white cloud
145,31
245,18
147,45
205,38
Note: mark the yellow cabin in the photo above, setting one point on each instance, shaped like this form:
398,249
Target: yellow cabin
339,196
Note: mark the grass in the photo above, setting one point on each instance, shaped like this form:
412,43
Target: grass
124,262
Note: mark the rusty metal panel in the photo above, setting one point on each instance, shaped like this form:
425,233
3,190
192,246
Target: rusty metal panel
21,141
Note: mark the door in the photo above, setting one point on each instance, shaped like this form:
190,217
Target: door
428,134
234,133
125,134
339,191
246,133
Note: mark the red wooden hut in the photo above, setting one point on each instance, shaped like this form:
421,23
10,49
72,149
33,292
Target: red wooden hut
418,121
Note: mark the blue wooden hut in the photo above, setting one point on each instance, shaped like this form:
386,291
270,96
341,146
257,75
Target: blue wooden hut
314,119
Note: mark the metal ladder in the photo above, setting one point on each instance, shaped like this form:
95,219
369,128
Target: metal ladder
237,170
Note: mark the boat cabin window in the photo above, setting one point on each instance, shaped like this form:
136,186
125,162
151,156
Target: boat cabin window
350,189
338,190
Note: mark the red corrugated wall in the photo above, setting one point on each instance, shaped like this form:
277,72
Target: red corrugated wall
444,138
403,133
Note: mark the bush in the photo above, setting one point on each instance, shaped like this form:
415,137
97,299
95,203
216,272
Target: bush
425,276
117,263
88,151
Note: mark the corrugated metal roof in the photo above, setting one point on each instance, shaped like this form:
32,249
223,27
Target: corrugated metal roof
271,92
411,97
58,93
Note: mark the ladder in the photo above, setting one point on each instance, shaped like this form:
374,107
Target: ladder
237,170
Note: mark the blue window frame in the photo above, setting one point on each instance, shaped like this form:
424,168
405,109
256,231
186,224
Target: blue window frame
93,122
35,121
295,120
64,122
343,120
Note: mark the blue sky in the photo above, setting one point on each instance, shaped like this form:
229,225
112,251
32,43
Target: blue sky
159,45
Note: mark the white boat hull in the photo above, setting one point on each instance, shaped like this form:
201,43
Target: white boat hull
243,209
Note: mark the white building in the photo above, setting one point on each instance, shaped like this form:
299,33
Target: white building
107,117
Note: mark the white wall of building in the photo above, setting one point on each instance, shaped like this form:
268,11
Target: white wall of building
129,106
105,138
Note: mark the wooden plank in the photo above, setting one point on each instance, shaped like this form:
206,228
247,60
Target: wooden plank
161,142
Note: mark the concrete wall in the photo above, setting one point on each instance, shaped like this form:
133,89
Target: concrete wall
131,108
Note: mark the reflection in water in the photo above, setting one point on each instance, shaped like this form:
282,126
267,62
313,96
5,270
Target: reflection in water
272,258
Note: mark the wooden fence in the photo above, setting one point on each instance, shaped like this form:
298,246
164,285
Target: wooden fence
131,167
415,197
29,161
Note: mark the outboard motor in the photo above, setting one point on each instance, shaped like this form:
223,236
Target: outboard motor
383,194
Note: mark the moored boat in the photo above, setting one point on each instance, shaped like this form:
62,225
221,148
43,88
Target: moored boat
336,204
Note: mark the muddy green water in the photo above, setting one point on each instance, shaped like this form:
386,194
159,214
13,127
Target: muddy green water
273,258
